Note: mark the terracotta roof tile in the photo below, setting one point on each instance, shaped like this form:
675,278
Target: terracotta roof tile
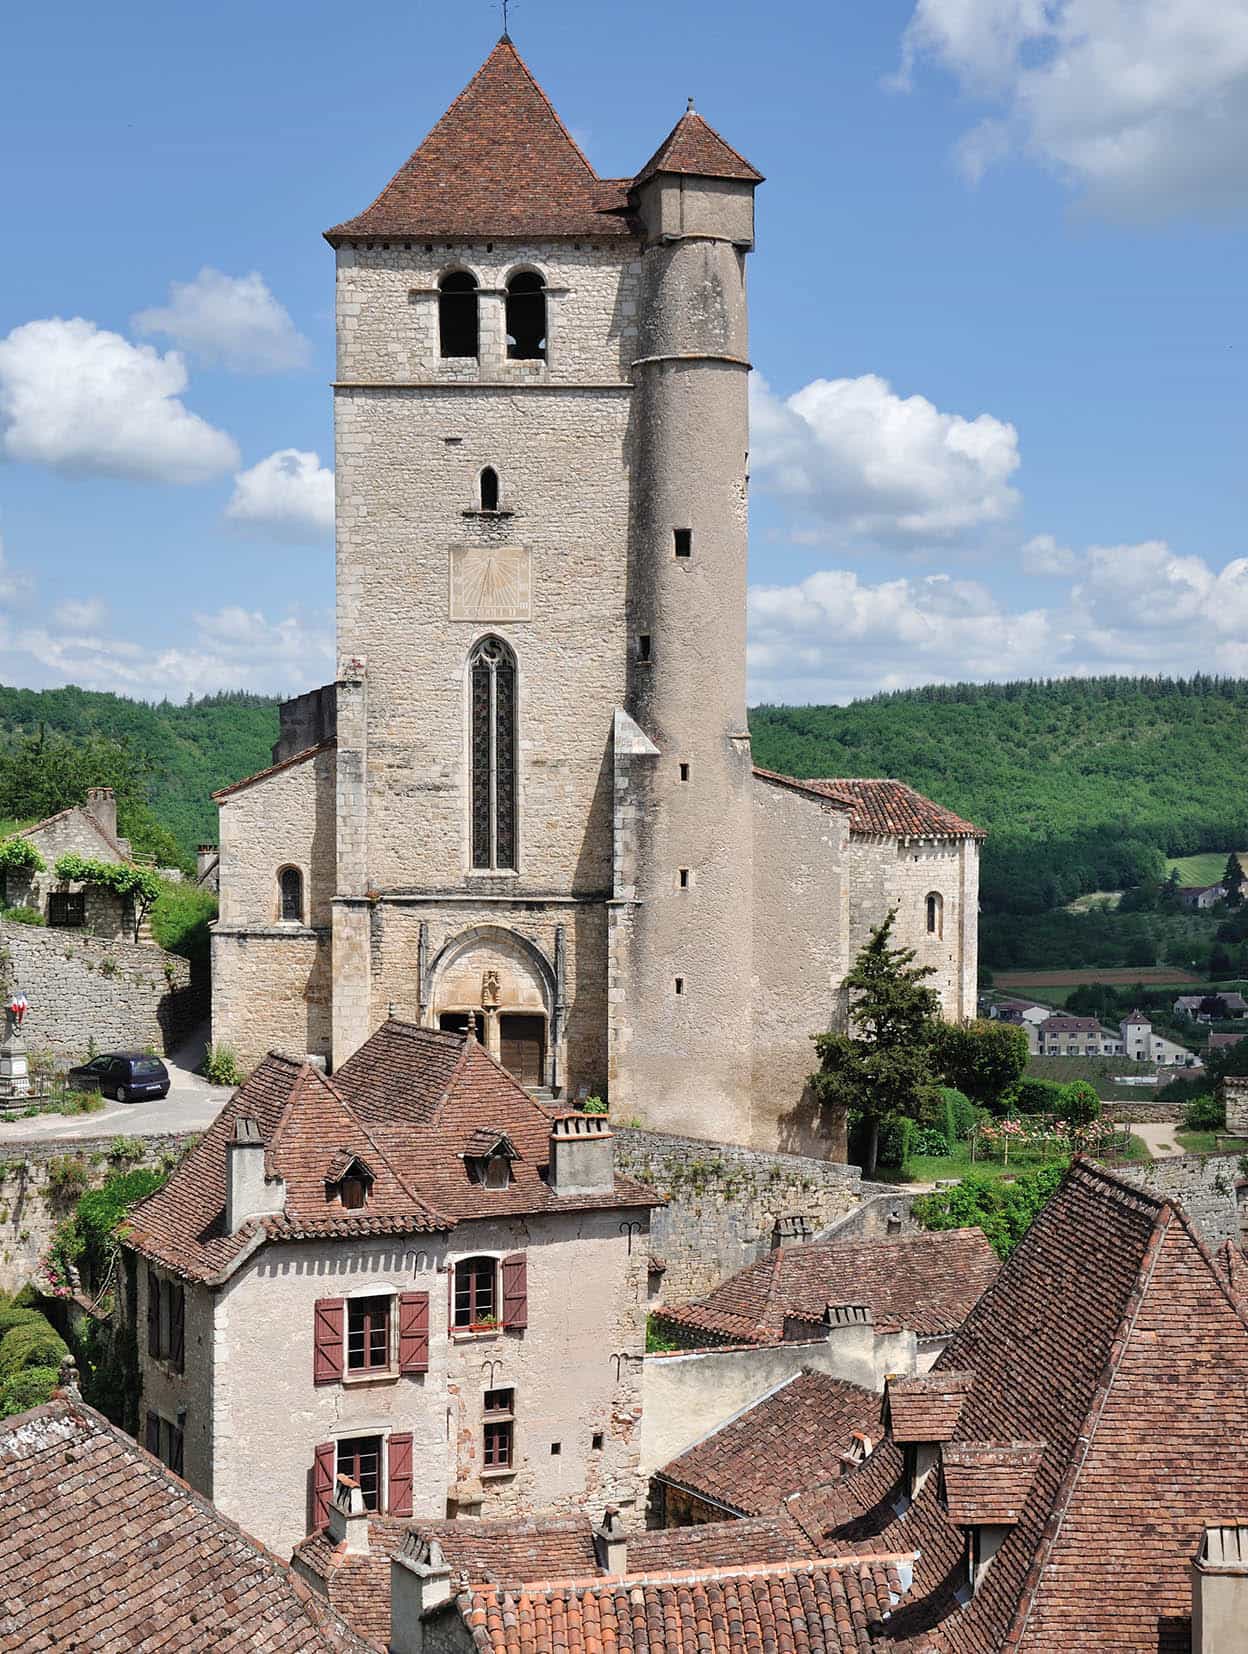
790,1440
988,1481
927,1407
926,1282
405,1104
694,148
500,162
105,1549
891,809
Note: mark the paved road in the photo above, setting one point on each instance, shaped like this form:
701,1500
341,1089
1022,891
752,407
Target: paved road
1160,1138
191,1105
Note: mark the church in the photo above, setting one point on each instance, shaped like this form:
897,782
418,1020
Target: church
527,805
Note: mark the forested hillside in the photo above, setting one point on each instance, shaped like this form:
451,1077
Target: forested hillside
1083,784
52,740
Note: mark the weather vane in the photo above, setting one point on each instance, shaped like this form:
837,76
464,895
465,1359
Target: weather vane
506,5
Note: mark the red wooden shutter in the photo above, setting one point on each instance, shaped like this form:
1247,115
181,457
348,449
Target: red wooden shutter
399,1475
151,1438
322,1484
153,1313
515,1291
327,1340
177,1326
413,1332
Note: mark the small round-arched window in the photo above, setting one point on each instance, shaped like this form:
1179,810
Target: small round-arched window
290,895
526,317
489,489
935,914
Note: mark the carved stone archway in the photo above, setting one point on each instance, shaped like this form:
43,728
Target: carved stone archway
493,973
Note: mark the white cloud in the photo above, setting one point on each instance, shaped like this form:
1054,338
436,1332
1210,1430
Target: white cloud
860,460
14,584
1141,104
86,614
233,320
1135,608
83,400
289,495
1043,555
233,648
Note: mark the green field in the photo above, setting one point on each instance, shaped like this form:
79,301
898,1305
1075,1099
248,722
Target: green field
1206,868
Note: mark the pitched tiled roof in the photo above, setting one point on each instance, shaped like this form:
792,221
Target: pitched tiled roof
1112,1337
927,1407
988,1481
105,1549
1234,1267
355,1583
817,1607
1070,1025
500,162
275,769
926,1282
891,809
791,1439
120,850
404,1104
695,148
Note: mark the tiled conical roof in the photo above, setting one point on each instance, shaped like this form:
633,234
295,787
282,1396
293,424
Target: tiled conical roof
694,147
500,162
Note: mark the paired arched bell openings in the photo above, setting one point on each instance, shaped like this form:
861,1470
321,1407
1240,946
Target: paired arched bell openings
492,749
524,309
526,316
290,896
459,314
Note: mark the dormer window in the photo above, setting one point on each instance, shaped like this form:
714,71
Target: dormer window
488,1155
348,1181
496,1172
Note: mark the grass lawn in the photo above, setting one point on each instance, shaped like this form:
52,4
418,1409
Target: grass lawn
1202,1142
930,1168
1206,868
1094,898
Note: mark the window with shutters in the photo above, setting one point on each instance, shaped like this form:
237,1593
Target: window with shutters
360,1458
413,1332
166,1320
492,691
328,1320
475,1295
164,1439
368,1334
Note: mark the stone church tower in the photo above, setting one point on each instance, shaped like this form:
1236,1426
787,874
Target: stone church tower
528,800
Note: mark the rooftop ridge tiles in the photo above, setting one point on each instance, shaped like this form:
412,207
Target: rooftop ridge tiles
581,1585
273,769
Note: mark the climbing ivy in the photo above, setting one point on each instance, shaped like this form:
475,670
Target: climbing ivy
19,855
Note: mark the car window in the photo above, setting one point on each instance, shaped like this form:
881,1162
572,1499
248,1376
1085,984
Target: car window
119,1065
144,1067
98,1065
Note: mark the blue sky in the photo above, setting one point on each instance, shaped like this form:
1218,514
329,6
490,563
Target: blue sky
997,310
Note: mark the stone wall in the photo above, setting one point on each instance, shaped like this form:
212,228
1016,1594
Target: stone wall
31,1205
723,1202
1143,1111
124,995
1210,1187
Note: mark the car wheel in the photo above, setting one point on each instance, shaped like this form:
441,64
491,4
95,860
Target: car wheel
121,1094
164,1093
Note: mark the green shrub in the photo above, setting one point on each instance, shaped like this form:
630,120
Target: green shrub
180,919
960,1114
12,1316
1204,1113
927,1140
29,1388
36,1344
1004,1211
99,1212
23,915
67,1177
1078,1104
1031,1096
593,1105
220,1066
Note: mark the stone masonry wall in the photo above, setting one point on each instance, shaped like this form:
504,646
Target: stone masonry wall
885,873
1210,1187
125,995
31,1206
723,1202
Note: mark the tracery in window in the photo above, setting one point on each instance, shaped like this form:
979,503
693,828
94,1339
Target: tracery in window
458,319
492,678
526,317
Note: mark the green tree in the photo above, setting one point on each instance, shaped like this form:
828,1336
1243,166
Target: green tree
882,1067
1078,1104
980,1058
1233,880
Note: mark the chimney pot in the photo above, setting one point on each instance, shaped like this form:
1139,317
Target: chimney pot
348,1516
249,1192
1220,1589
611,1542
582,1155
101,806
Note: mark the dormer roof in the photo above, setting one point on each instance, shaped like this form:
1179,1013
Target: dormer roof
988,1483
695,148
925,1408
484,1141
500,162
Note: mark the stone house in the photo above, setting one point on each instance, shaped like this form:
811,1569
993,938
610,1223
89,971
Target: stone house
1198,898
1065,1036
1142,1044
1211,1007
104,1548
528,799
414,1275
88,830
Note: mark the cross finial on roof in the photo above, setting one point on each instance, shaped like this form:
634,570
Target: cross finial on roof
689,108
506,6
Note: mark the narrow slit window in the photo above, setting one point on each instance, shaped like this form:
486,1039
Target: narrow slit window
489,489
683,877
458,315
684,772
683,538
492,680
526,317
643,647
290,882
597,1441
935,914
680,984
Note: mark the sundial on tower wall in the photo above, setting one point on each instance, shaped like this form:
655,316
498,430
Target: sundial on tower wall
490,583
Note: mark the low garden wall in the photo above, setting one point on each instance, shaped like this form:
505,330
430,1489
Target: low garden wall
1144,1113
41,1180
124,995
724,1202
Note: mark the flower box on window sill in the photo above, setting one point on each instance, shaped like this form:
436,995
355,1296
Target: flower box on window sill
462,1335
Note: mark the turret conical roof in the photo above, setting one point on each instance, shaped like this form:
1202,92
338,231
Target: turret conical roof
694,147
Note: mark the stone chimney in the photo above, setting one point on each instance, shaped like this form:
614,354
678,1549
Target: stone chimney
582,1155
420,1582
793,1230
205,855
348,1517
248,1192
101,806
1220,1590
611,1543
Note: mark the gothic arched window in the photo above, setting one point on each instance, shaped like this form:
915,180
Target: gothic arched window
492,681
290,889
489,489
526,317
457,314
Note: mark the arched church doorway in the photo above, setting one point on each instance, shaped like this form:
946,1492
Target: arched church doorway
506,986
